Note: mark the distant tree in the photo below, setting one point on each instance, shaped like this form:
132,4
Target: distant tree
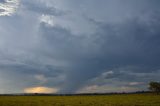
154,87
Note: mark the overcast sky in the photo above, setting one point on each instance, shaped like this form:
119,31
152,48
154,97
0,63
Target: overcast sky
85,46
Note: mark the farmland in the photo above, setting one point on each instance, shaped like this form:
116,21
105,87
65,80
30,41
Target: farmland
99,100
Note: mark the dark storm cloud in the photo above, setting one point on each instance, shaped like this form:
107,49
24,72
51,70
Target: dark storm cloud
134,42
113,44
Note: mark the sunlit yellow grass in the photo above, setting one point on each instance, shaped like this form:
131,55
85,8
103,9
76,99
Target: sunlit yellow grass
110,100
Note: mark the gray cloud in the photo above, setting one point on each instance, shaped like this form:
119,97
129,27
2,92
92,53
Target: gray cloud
93,48
41,7
125,44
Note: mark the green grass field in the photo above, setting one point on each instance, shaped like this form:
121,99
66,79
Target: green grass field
109,100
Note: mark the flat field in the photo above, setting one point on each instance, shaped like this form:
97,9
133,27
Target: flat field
108,100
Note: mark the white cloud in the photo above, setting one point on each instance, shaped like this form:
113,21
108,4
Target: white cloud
8,7
135,83
107,73
48,19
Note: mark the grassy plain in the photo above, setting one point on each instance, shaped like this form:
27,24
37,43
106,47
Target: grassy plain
108,100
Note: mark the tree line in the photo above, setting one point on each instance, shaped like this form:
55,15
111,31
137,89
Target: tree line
154,87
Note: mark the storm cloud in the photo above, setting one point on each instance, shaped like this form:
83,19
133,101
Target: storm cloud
79,46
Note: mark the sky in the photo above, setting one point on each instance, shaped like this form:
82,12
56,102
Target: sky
85,46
